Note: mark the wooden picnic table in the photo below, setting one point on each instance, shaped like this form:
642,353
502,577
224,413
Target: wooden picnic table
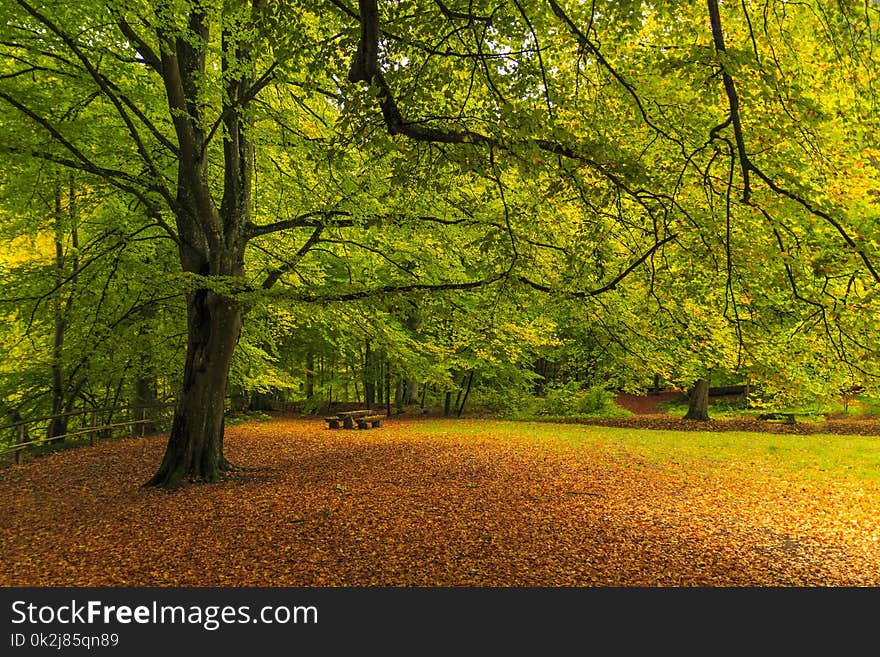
348,418
369,421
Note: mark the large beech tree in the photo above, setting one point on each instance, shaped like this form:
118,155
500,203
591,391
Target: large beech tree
190,157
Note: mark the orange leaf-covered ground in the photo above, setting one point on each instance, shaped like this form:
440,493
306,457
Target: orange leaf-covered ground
396,507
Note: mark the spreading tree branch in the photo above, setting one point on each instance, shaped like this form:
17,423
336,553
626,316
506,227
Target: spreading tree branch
397,289
583,294
277,273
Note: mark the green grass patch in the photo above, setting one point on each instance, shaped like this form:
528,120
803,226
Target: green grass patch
816,457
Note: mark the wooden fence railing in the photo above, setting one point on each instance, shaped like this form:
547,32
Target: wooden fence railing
102,421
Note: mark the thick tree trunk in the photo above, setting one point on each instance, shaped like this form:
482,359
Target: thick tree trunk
195,445
411,392
698,406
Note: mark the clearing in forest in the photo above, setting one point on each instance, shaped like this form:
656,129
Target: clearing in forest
452,503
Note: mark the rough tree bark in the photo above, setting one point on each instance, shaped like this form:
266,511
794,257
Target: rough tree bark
195,445
211,244
698,405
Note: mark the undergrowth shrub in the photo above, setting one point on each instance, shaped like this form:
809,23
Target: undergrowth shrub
513,402
570,400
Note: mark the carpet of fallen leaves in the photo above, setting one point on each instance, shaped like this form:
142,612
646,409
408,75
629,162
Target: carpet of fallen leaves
400,507
867,427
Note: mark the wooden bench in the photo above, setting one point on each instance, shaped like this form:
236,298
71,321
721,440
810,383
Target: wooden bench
347,418
788,418
373,421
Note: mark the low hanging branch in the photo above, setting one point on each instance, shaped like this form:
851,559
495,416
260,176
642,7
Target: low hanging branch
277,273
397,289
610,285
747,166
468,285
365,68
732,99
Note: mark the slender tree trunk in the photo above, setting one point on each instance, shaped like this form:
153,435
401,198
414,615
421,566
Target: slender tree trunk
387,388
466,393
58,425
410,386
380,382
310,374
698,406
146,393
369,374
399,391
145,397
195,445
447,404
262,401
539,368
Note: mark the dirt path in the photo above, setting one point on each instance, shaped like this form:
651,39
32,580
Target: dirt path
401,507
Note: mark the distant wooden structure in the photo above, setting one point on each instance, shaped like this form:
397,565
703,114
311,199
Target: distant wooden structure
100,424
364,418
